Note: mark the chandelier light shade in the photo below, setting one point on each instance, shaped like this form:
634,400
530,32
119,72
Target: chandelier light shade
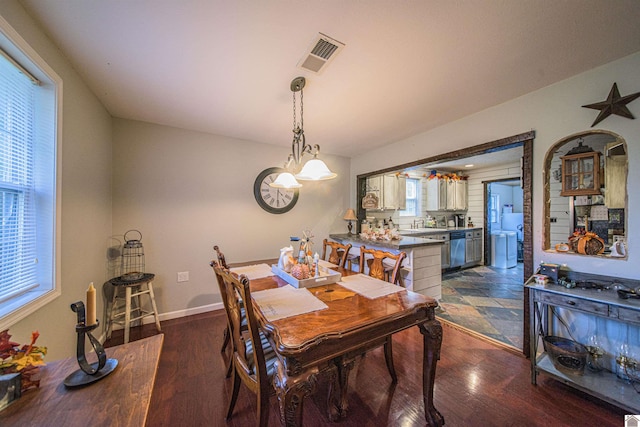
285,180
315,169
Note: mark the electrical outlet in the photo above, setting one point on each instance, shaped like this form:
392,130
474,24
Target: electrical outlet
183,276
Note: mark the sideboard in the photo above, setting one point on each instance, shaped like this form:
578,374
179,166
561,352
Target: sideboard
544,299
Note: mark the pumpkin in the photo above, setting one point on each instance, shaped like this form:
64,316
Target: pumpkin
300,271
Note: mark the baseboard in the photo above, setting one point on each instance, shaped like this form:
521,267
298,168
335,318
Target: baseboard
175,315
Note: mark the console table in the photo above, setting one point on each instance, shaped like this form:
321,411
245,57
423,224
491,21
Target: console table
605,303
120,399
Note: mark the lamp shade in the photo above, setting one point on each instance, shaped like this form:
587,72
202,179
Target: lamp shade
285,180
350,215
315,170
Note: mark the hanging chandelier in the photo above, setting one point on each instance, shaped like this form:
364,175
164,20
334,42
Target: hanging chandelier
315,169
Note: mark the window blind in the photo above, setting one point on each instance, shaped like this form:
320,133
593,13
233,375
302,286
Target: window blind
17,189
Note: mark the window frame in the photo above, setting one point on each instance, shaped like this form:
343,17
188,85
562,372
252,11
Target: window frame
49,139
417,210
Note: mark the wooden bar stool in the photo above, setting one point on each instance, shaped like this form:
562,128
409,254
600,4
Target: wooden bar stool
122,313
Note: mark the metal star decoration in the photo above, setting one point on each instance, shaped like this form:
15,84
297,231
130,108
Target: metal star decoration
614,104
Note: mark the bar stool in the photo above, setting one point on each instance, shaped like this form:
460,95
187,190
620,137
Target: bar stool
122,313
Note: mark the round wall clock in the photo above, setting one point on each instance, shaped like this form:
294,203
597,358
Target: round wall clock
273,200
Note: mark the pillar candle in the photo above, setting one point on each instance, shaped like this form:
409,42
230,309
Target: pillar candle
91,305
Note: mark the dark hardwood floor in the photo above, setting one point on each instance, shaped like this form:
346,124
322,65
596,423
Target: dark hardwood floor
477,384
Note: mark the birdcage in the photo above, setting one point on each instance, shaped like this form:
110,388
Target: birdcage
132,257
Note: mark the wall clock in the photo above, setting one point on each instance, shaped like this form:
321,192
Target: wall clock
273,200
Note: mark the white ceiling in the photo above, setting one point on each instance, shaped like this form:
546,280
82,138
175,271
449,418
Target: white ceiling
225,66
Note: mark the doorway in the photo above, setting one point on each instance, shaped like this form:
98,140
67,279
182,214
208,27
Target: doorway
493,148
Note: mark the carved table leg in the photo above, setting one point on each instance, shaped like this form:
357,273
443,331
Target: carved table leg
291,391
431,330
337,402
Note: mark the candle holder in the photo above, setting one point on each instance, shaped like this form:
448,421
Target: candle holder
88,373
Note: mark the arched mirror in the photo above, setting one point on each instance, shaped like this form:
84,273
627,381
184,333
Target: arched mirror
586,195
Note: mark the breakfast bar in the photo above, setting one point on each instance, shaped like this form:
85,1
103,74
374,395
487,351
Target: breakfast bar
422,270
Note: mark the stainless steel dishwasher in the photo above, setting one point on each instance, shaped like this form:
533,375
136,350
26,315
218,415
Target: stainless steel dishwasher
458,246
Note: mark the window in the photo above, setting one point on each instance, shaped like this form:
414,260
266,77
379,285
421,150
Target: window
412,208
29,220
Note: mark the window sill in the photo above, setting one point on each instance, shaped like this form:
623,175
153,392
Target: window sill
11,312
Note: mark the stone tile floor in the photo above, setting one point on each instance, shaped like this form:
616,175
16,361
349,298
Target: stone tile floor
486,300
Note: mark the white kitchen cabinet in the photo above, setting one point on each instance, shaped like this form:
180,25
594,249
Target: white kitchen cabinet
391,190
395,191
436,194
446,194
456,195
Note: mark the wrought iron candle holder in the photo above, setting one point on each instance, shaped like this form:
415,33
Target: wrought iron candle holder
88,373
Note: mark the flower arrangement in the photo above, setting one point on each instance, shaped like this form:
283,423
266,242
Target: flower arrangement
26,359
381,234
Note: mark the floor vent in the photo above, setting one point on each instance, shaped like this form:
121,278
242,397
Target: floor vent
322,51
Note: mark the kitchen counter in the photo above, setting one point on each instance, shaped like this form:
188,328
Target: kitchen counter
407,242
421,270
426,231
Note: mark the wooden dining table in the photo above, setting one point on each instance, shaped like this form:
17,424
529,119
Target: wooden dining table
329,341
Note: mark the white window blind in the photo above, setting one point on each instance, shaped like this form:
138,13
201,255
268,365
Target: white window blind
18,225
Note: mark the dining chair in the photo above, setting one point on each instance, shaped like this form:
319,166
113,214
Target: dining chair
222,261
226,340
253,359
382,265
374,259
339,252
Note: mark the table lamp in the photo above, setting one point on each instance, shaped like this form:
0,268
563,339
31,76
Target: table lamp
350,216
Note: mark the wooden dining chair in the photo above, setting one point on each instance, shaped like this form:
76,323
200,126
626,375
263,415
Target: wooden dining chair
378,264
222,262
226,340
390,272
253,359
338,252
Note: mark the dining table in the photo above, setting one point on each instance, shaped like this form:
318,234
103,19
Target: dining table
328,341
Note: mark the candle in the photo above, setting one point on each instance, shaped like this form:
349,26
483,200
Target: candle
91,306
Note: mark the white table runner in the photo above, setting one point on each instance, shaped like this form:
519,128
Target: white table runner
256,271
287,301
368,286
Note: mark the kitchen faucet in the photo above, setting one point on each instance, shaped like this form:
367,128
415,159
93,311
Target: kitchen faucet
416,222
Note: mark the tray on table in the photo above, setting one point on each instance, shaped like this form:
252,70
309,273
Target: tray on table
326,277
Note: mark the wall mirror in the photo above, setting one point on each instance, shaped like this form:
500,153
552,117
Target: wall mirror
585,195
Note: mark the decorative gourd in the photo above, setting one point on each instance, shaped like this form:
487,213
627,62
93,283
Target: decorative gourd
300,271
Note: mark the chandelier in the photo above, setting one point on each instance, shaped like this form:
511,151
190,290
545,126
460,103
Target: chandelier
315,169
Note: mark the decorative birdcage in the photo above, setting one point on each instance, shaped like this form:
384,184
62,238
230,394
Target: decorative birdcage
132,257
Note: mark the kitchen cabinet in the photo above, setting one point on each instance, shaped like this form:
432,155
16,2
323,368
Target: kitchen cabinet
543,303
391,190
436,194
456,195
446,194
473,250
581,174
445,260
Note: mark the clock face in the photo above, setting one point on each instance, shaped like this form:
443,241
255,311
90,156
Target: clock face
273,200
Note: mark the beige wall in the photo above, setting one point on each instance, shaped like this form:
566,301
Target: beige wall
186,191
553,112
86,195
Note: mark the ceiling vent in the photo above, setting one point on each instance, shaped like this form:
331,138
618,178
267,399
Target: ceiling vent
321,52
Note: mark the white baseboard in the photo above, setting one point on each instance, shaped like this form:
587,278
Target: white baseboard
175,315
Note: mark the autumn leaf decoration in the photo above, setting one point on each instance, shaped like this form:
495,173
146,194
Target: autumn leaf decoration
25,360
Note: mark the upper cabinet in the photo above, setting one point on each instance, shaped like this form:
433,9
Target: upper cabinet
390,189
446,194
581,172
